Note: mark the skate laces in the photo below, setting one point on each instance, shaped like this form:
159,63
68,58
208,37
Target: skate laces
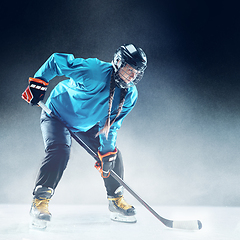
121,203
41,204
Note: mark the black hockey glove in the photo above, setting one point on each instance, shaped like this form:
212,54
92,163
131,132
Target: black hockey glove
35,92
107,163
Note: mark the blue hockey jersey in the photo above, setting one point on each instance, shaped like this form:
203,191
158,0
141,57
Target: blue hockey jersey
82,100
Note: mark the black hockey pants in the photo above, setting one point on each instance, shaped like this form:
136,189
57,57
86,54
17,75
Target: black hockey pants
57,141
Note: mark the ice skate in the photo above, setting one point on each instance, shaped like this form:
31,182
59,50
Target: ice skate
39,209
120,210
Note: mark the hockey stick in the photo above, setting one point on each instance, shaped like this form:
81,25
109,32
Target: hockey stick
188,225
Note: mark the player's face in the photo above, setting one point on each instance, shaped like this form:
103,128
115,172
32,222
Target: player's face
128,73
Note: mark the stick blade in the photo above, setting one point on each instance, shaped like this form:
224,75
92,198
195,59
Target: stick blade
188,225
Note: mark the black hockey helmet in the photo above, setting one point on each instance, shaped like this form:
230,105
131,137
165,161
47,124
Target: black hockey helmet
135,57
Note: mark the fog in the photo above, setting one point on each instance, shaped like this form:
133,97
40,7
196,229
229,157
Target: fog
180,143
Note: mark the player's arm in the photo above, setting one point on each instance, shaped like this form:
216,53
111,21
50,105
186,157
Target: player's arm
58,64
107,148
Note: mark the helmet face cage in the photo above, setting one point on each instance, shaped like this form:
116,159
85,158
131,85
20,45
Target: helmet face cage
135,57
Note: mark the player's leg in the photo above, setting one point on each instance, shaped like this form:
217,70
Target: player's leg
120,210
57,141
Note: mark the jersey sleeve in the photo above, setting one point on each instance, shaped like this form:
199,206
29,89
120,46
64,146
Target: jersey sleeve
86,73
109,144
62,64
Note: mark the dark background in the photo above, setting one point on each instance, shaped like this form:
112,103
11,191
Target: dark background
181,141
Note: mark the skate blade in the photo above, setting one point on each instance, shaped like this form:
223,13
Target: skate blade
118,217
39,224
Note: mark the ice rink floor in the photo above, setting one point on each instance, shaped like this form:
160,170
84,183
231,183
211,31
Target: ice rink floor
70,222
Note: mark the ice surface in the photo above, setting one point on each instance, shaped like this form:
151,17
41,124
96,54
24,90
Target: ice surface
92,222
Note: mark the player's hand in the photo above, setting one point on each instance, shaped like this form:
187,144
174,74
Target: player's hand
107,163
35,92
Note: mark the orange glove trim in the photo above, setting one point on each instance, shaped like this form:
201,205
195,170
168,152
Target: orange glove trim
98,165
38,81
106,154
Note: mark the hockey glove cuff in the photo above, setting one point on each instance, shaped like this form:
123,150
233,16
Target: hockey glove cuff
107,163
35,92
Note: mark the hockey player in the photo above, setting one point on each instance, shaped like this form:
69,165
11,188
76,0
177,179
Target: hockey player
92,102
